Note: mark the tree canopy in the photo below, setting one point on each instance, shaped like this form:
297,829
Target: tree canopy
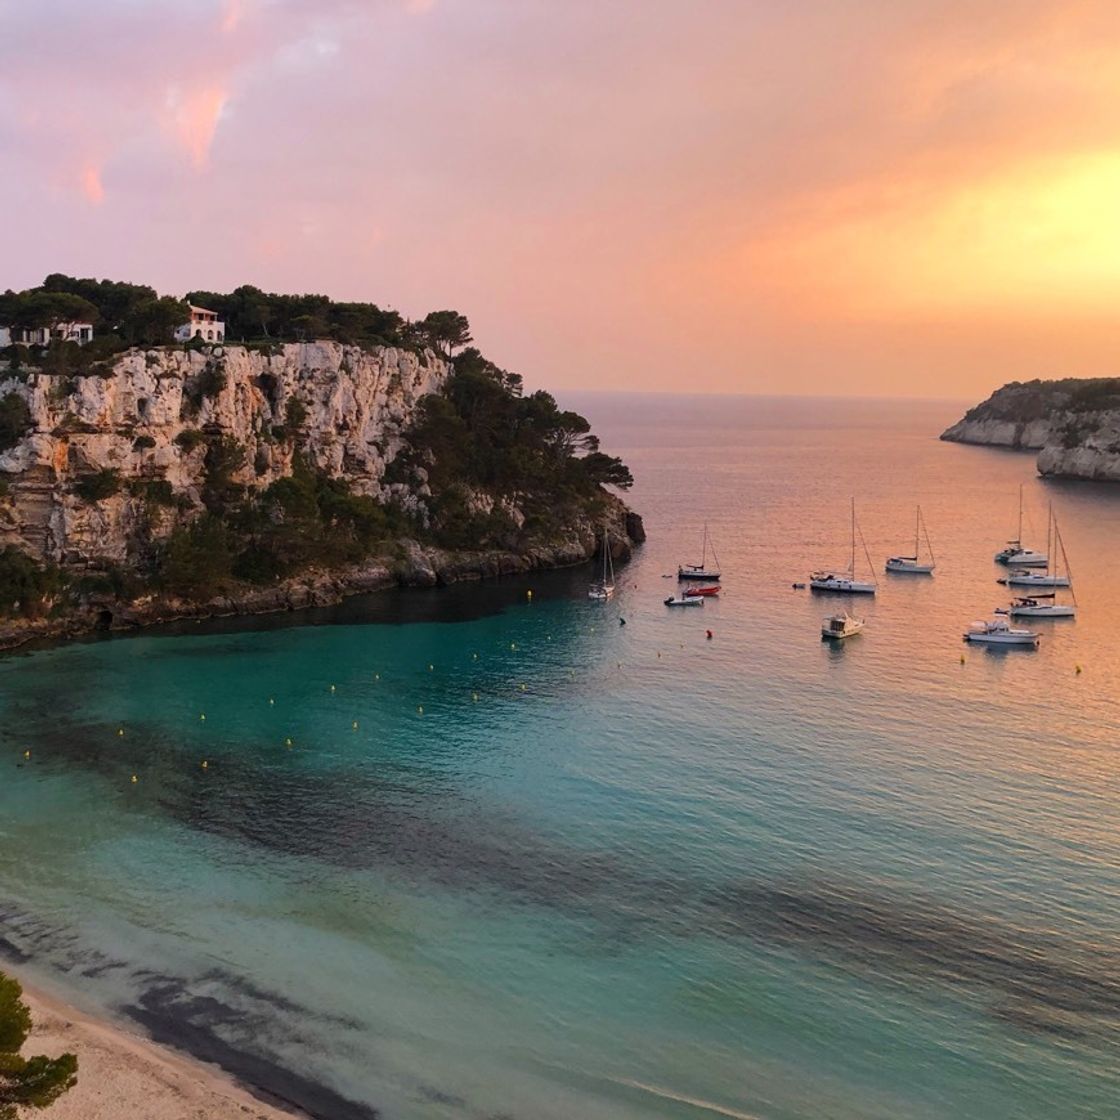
26,1082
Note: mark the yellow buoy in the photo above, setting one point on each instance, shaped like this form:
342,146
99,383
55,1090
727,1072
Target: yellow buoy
205,765
287,742
120,730
474,697
962,658
354,725
513,645
271,701
474,656
420,709
135,779
431,668
1077,669
26,754
202,715
528,594
377,676
332,688
523,687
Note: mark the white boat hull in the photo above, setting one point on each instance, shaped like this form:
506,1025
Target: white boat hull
911,567
843,586
1031,579
600,594
1005,639
691,601
698,573
998,632
1056,610
1022,558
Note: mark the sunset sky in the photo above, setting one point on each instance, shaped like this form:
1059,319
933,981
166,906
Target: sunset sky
888,197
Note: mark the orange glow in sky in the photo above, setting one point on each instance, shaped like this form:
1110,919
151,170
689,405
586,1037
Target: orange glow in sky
731,196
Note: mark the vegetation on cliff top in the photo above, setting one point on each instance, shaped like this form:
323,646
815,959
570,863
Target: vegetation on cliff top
1022,402
26,1082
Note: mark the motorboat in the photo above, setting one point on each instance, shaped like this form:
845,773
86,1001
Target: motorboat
825,580
603,588
702,571
839,626
708,592
999,632
915,565
685,601
1015,552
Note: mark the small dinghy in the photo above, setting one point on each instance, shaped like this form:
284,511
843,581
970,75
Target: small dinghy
691,592
685,601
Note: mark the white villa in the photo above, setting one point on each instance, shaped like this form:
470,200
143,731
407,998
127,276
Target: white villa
204,324
80,333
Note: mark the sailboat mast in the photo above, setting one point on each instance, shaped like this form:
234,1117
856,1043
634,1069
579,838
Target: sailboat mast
852,565
917,530
1019,538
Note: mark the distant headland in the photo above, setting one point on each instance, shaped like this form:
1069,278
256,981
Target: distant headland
245,452
1073,424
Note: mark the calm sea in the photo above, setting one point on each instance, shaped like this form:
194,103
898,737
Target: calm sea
461,853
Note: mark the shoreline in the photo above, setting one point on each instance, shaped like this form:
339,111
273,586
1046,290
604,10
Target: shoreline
420,567
122,1075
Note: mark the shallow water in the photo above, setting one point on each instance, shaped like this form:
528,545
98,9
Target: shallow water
644,873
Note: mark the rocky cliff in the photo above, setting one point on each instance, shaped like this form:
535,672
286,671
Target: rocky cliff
1073,424
98,472
151,417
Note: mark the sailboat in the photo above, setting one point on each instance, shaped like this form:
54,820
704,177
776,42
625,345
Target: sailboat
829,581
603,588
1015,553
914,564
1052,577
998,632
701,570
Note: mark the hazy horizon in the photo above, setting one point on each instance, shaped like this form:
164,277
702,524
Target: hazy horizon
910,200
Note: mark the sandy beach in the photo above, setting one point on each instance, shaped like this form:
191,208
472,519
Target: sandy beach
122,1076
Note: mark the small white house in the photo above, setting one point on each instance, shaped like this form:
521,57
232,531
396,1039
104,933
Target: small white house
204,324
81,333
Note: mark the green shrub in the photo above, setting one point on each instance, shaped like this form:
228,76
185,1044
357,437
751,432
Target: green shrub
190,438
97,487
25,585
154,491
198,559
143,443
15,420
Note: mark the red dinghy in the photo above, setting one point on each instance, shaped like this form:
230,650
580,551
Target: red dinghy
692,591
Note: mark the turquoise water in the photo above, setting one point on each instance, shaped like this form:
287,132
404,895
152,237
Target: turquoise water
644,873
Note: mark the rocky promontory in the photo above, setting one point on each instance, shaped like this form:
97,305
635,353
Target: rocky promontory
192,481
1073,424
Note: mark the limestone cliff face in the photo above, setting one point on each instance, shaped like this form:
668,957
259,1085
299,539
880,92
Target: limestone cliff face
993,432
146,418
1074,425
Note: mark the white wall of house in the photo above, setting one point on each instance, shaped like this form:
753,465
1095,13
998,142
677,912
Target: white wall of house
204,324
